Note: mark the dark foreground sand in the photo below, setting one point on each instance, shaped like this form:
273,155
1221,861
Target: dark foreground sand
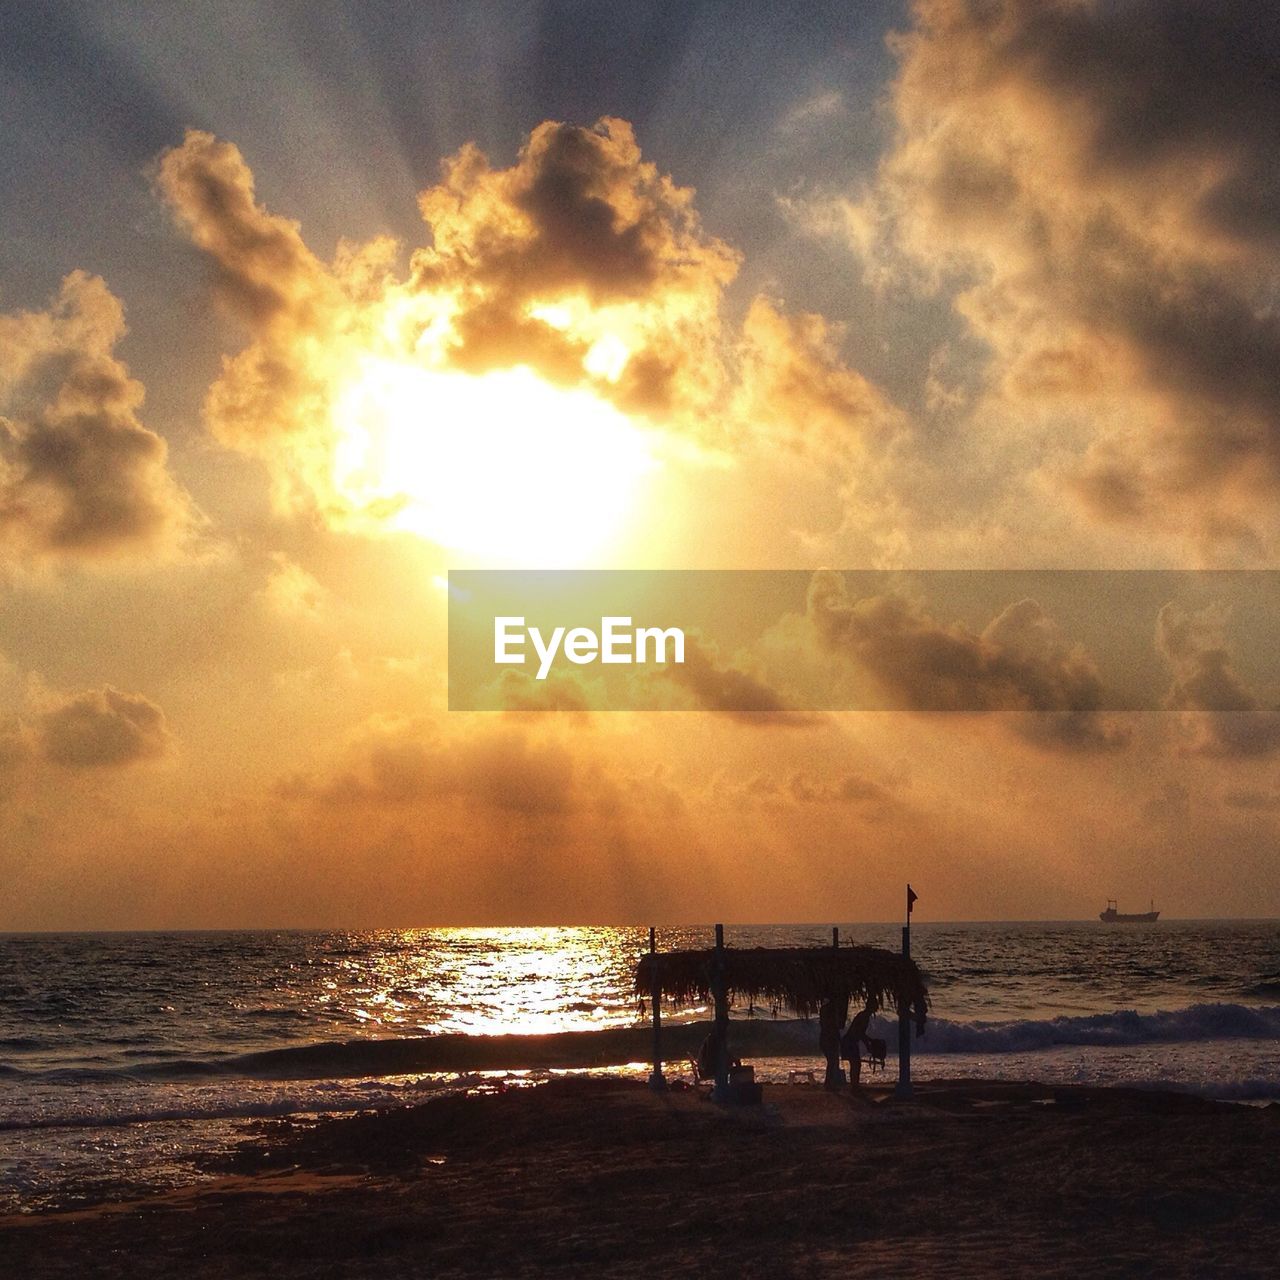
602,1178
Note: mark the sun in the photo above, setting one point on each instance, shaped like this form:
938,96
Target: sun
504,468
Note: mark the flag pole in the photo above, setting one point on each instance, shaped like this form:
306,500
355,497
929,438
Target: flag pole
903,1087
657,1081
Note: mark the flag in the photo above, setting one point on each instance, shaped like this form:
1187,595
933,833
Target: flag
912,895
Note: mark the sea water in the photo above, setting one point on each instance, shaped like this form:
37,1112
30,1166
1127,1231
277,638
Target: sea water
126,1058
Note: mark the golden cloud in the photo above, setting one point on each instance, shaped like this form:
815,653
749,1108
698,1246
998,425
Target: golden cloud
93,729
102,728
1099,182
580,262
579,246
401,761
80,477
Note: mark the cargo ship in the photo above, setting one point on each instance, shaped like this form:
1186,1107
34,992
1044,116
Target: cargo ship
1112,916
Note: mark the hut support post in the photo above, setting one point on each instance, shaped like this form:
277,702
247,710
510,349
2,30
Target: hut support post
718,989
903,1087
835,1078
657,1081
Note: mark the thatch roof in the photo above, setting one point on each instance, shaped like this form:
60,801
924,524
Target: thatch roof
799,978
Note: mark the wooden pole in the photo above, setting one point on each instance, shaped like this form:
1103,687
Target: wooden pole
835,1077
903,1087
657,1081
721,1091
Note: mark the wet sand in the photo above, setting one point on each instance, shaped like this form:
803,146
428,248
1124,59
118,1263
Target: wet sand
602,1178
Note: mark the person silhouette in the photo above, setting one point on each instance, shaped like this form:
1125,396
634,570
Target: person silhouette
854,1038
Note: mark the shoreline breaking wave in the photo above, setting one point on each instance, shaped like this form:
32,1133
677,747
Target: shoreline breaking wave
618,1046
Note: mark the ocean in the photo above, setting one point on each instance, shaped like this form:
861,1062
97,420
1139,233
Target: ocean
126,1060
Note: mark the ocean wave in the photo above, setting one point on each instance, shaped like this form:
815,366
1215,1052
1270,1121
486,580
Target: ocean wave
616,1046
1123,1027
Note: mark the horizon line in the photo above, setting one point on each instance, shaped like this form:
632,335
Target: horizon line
699,924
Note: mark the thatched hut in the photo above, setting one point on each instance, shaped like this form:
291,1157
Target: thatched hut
799,978
821,980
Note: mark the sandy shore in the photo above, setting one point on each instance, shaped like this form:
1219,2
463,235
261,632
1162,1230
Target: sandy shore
602,1178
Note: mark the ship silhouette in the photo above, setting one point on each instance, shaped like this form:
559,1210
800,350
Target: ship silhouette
1112,916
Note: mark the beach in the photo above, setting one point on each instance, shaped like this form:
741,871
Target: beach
605,1178
129,1062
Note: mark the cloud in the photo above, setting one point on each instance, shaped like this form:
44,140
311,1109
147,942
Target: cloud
579,246
579,212
1253,801
1100,182
264,274
394,762
92,729
562,691
802,788
719,686
291,591
80,477
791,377
1220,716
100,728
580,260
1018,663
262,268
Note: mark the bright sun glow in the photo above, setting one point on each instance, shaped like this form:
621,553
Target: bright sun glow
503,467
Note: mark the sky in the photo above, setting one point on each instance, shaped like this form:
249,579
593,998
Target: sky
303,306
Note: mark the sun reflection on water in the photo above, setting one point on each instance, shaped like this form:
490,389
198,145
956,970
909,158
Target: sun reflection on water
494,981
